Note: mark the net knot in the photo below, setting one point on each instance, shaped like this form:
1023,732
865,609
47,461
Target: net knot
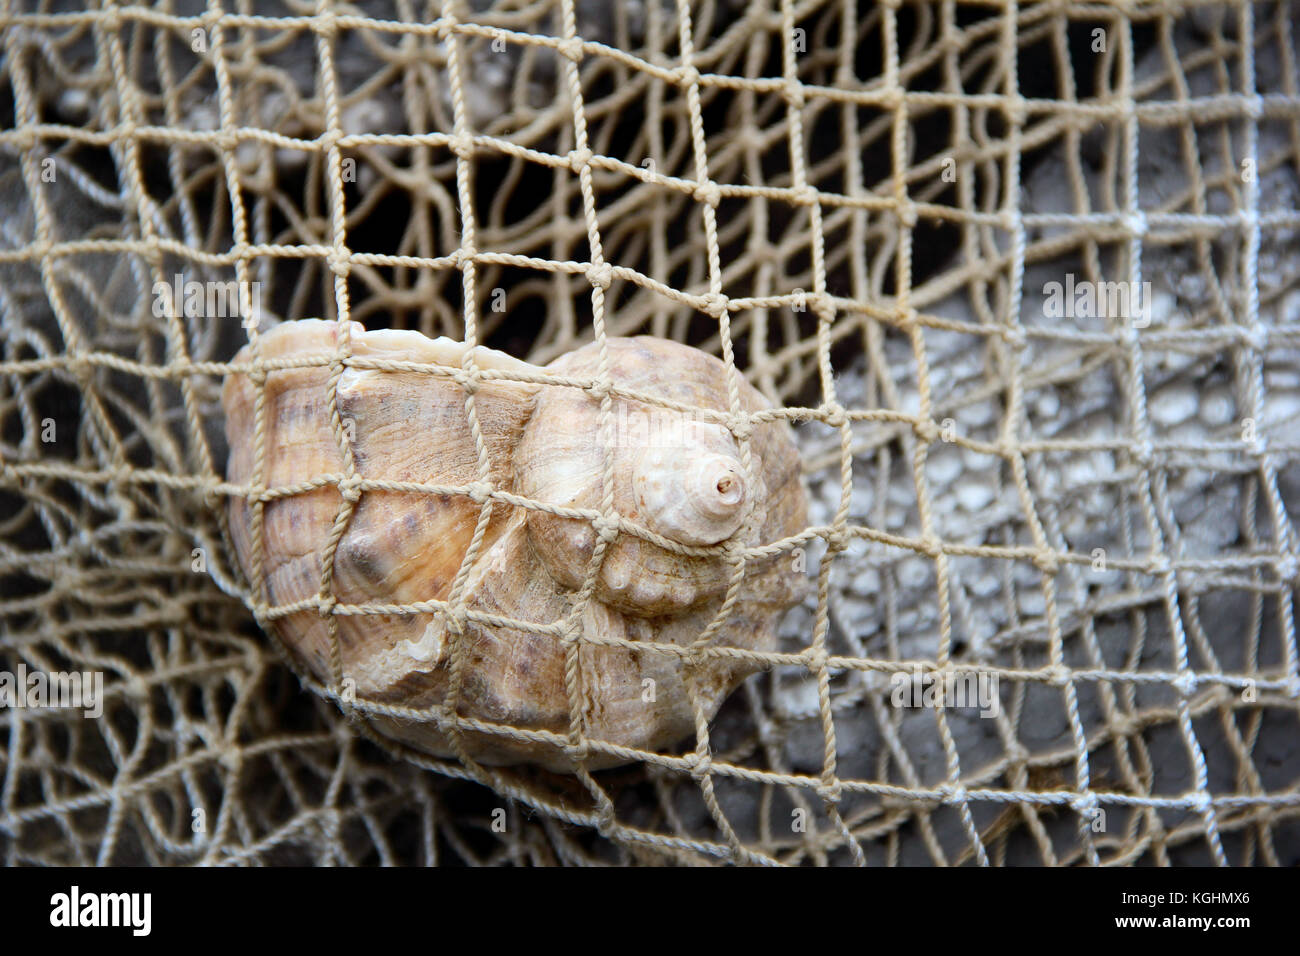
257,375
462,145
1006,447
600,275
606,528
350,488
572,49
231,759
455,619
228,142
29,141
479,492
837,540
325,604
40,248
1158,565
1017,753
1125,726
579,159
952,793
467,378
708,193
325,24
804,195
1057,675
742,429
1288,568
701,764
714,304
686,75
578,752
1136,224
833,416
328,139
136,688
1185,683
340,261
1017,110
926,430
1046,561
750,139
1198,802
816,658
823,305
1085,804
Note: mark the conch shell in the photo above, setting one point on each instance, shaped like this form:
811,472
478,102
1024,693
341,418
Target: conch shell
637,643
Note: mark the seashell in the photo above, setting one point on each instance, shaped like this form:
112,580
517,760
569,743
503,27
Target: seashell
681,476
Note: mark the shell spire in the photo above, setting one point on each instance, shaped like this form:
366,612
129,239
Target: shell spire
693,494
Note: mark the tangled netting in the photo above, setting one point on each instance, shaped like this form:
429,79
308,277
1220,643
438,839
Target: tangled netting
864,207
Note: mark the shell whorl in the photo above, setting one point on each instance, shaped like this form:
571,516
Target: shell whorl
691,495
659,460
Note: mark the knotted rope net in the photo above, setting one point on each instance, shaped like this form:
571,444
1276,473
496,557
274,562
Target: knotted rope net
887,215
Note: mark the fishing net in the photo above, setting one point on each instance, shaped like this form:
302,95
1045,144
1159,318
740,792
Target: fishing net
889,216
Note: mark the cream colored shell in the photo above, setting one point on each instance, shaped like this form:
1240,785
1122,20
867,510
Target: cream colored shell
675,474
